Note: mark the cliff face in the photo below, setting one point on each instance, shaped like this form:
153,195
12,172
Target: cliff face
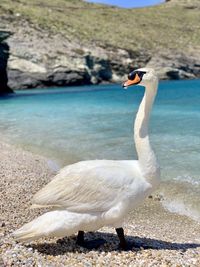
36,56
4,55
44,60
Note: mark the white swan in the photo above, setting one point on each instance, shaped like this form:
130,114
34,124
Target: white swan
88,195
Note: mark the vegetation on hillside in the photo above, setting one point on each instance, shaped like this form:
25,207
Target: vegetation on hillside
172,25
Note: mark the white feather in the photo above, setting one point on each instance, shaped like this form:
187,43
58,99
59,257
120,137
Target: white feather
91,186
59,223
91,194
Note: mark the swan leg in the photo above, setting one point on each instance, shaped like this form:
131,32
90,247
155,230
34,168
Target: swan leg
122,241
92,244
80,238
123,244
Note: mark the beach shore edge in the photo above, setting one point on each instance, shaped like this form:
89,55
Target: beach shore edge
164,238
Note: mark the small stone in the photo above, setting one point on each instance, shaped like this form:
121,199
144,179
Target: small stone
2,224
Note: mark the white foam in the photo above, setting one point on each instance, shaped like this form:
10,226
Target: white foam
187,179
178,206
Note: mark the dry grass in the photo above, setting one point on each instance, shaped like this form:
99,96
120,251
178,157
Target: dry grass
173,25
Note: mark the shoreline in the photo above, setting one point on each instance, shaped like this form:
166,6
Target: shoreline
167,191
166,239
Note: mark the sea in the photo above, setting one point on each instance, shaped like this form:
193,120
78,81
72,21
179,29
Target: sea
70,124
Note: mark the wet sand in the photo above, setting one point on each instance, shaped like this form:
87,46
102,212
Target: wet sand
162,238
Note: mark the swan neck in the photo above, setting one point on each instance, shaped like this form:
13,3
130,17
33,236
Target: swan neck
146,157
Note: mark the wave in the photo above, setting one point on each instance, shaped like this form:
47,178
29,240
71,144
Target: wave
187,179
181,196
178,206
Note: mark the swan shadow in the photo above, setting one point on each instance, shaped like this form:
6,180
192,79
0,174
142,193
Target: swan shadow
68,244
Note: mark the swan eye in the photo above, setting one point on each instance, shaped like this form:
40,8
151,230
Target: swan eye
131,75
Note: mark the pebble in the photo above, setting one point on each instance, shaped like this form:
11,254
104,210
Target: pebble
150,225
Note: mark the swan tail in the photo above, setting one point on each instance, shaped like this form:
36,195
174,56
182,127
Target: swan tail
37,206
53,224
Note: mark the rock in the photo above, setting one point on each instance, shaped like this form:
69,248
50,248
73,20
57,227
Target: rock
2,224
175,66
34,58
24,80
69,77
24,65
4,56
176,74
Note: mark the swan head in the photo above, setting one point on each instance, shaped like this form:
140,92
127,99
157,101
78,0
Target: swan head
142,76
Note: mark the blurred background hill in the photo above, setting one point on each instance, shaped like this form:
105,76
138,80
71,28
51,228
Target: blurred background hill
72,42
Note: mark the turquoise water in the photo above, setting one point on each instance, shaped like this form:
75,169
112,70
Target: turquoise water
80,123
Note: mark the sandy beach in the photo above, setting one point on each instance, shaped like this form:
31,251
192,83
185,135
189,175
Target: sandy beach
164,239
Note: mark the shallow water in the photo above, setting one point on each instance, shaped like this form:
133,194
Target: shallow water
79,123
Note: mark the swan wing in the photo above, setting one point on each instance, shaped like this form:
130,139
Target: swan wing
90,186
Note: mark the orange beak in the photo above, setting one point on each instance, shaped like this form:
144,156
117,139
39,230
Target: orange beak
132,82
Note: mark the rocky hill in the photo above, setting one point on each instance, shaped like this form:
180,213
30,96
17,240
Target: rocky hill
72,42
